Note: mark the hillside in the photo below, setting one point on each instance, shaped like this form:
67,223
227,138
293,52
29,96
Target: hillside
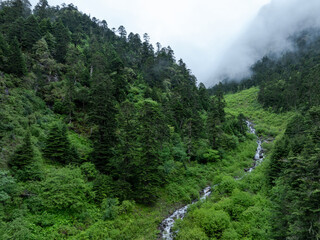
288,86
102,136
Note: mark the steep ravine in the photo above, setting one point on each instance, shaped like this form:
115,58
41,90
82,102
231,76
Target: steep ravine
167,224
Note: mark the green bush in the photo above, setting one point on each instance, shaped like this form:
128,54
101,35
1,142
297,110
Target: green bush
212,222
65,189
195,233
227,185
110,208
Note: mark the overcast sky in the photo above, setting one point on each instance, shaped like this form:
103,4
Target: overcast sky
199,31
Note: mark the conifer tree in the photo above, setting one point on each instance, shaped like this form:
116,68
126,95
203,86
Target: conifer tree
204,96
16,60
103,115
51,41
22,162
4,51
62,37
152,133
45,62
16,30
21,8
213,123
23,155
58,147
42,9
31,32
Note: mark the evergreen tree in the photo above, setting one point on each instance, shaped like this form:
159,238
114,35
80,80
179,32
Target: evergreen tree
45,63
16,30
14,9
45,26
4,52
21,8
31,33
220,103
204,96
213,123
58,148
22,162
24,155
42,9
51,41
62,37
103,115
152,133
74,76
16,62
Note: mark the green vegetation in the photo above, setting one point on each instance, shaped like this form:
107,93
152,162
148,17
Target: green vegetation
291,173
102,136
239,209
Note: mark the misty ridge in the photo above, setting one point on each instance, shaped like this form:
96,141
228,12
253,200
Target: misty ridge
271,34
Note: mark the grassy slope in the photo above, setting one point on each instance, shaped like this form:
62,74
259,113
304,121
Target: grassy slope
267,122
142,222
269,126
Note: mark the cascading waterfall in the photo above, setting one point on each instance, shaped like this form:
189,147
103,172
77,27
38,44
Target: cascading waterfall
167,224
258,157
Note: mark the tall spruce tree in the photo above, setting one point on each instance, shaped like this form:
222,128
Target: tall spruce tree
22,161
23,155
213,123
152,133
4,52
42,9
58,148
31,33
62,37
103,115
16,62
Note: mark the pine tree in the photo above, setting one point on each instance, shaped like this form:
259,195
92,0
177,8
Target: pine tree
4,52
45,63
16,60
16,8
16,30
22,162
204,96
220,103
51,41
213,123
152,133
103,115
31,33
62,37
21,8
58,147
23,156
75,75
42,9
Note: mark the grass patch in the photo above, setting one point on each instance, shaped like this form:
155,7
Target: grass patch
268,123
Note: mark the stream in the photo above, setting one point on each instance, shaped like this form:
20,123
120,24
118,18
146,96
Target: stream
167,224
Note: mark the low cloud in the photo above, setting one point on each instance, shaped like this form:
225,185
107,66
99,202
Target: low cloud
268,32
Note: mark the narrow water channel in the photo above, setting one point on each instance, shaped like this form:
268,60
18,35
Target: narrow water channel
167,224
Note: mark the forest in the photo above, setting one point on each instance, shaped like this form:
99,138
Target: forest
102,136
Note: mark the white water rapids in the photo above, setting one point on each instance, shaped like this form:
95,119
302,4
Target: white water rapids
167,224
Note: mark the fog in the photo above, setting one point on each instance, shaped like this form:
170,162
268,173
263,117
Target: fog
217,39
268,32
199,31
